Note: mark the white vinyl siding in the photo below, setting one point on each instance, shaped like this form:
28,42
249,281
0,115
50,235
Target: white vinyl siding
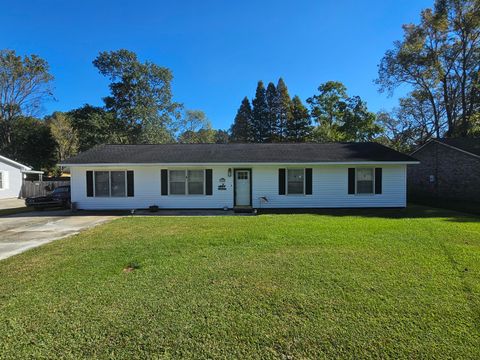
12,179
329,187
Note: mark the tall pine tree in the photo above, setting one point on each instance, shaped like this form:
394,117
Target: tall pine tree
299,125
284,110
260,114
241,130
272,103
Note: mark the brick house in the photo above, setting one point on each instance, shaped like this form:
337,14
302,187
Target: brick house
449,169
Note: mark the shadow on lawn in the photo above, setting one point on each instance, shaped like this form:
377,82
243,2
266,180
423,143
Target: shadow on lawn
411,212
31,213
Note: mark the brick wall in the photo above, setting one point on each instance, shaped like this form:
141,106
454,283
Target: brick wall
457,175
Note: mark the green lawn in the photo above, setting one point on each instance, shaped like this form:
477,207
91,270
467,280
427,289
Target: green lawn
364,284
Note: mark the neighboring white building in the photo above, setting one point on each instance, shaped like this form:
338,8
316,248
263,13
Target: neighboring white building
12,174
216,176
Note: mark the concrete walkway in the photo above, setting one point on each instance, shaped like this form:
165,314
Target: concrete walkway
24,231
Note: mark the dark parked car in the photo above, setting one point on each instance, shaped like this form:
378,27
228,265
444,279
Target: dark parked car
60,197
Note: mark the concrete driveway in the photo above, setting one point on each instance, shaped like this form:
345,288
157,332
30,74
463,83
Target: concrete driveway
24,231
11,203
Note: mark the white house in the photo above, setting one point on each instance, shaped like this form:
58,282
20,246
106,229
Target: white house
11,177
216,176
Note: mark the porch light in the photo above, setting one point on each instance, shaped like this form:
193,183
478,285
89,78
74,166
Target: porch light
229,172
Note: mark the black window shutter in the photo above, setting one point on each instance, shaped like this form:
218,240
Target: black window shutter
351,180
308,181
208,182
164,181
130,184
378,180
89,183
281,181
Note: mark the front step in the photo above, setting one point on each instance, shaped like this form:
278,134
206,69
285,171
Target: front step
243,209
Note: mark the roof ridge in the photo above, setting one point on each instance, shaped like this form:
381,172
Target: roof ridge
250,143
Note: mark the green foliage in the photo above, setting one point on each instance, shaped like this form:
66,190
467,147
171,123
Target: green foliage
272,104
96,126
241,130
196,128
140,97
24,84
439,59
398,133
31,143
340,117
271,119
221,137
359,124
260,115
298,127
349,284
284,111
64,134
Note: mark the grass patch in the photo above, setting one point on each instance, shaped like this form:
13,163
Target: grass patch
351,285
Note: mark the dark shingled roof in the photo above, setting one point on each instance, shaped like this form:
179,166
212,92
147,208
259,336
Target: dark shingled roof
471,145
238,153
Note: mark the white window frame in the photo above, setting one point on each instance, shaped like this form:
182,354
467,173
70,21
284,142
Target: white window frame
109,183
286,181
185,172
373,182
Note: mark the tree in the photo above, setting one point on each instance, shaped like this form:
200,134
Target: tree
24,84
327,109
284,110
439,59
141,96
196,128
95,126
260,115
273,111
241,130
398,133
298,127
64,135
221,137
358,124
340,117
31,143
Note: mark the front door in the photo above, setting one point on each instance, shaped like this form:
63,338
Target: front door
242,187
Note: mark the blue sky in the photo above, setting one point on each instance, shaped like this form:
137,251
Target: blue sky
217,50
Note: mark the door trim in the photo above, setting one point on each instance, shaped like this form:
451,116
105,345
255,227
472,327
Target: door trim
235,184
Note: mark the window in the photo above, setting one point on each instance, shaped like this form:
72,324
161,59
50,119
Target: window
117,183
1,180
295,181
186,182
102,184
177,182
110,183
242,175
365,181
195,182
